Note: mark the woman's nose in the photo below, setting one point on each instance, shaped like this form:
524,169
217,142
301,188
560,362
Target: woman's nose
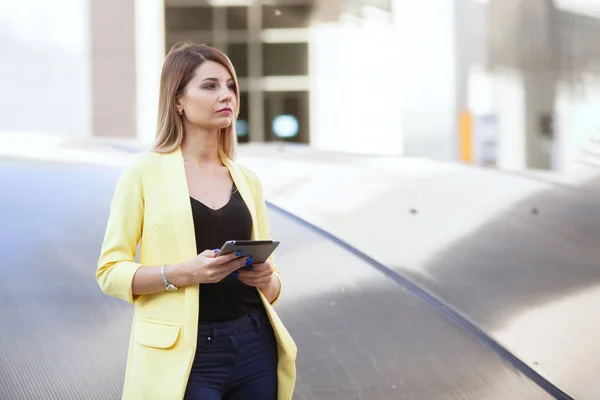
225,95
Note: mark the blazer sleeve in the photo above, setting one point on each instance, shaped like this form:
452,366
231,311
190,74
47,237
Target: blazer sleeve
264,229
116,266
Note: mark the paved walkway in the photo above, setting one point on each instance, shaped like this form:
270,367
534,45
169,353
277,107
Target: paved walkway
515,254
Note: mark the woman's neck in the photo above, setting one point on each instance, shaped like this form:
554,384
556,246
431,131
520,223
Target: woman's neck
201,147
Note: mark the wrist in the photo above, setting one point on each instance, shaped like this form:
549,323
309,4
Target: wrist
272,289
269,285
179,274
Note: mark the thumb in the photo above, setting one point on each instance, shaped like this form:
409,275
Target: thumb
209,253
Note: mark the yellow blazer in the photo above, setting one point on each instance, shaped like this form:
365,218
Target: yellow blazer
151,207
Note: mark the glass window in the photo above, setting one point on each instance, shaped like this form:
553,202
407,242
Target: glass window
286,116
243,122
297,16
171,39
281,59
238,54
237,18
385,5
188,18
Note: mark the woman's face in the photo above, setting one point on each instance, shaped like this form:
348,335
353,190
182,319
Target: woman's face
209,99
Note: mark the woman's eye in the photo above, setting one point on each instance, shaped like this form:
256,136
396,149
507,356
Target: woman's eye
232,87
210,86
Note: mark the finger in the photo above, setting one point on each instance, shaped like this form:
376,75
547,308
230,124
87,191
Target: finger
224,259
227,269
238,263
209,253
255,274
245,262
261,266
247,282
254,281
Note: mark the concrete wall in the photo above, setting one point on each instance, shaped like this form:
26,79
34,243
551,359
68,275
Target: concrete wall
387,84
113,56
69,67
521,100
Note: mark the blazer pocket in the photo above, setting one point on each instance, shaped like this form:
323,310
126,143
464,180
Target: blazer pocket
160,335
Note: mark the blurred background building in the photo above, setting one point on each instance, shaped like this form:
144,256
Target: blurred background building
507,83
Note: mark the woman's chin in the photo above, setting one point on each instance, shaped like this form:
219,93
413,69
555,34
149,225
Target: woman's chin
223,123
216,124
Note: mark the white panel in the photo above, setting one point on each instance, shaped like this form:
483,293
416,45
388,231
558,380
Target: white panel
327,78
284,83
584,7
298,35
355,106
45,68
427,71
509,98
150,52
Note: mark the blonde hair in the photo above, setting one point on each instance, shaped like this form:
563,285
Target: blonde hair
178,69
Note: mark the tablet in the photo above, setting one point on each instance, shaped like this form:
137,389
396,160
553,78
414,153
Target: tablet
259,250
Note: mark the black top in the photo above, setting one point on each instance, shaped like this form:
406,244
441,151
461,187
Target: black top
229,299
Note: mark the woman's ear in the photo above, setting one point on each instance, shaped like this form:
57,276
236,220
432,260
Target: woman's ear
179,106
178,97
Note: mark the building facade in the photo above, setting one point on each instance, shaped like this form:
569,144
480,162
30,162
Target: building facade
390,77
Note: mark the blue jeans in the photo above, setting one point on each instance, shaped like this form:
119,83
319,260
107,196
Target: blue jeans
235,360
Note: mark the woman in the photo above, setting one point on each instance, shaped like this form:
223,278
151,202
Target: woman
203,326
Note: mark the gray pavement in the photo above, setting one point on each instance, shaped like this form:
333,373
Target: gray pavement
515,254
468,237
360,335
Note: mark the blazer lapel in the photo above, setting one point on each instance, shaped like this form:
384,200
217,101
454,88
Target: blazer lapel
179,199
241,182
180,209
179,204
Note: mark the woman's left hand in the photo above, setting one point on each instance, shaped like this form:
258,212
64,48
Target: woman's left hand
259,276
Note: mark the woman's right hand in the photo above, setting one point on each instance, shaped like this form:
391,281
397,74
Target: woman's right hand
207,267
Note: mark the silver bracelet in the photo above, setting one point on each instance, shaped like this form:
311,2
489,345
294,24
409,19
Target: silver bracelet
169,287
